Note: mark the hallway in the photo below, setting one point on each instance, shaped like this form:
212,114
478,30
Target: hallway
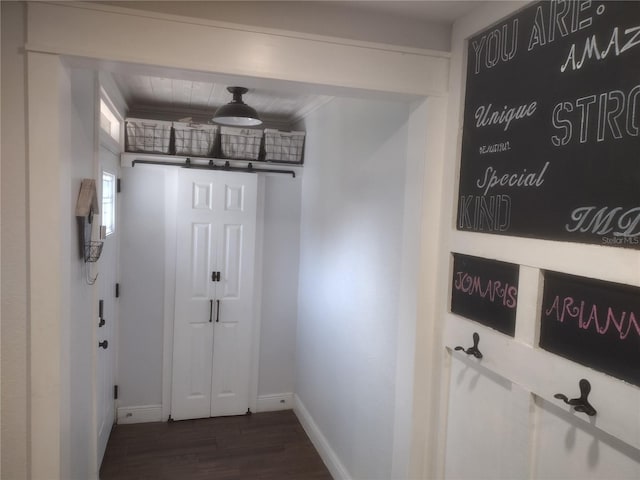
260,446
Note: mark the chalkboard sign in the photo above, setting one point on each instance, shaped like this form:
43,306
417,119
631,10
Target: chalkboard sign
485,291
551,137
592,322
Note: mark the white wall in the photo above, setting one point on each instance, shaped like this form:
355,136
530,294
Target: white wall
281,251
142,275
82,318
350,274
14,245
146,298
76,90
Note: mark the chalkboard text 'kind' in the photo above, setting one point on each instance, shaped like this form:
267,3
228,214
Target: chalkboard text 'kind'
490,213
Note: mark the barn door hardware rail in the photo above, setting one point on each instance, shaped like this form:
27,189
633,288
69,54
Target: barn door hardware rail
580,404
472,350
212,166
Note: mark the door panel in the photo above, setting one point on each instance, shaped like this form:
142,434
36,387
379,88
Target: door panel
200,260
234,198
232,261
229,379
202,195
200,359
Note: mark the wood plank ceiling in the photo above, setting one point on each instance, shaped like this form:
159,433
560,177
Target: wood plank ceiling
174,98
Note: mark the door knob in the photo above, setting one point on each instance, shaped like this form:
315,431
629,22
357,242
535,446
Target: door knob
104,344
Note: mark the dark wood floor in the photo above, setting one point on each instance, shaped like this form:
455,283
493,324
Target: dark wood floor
264,446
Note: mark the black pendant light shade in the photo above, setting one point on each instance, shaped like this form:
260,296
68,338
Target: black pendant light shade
236,112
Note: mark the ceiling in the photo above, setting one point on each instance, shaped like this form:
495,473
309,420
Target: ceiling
176,98
172,95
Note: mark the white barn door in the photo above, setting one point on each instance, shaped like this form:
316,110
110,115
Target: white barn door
216,229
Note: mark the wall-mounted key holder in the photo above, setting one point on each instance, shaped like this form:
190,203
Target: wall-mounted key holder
580,404
474,349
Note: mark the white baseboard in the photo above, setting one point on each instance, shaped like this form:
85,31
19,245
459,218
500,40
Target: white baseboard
274,402
328,455
140,414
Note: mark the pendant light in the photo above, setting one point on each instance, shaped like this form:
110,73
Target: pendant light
237,113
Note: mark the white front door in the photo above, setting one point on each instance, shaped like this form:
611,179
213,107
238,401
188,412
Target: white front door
504,420
108,306
216,229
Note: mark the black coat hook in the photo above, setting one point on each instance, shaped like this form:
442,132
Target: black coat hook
472,350
580,404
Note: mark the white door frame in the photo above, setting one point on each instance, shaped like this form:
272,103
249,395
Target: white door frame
96,32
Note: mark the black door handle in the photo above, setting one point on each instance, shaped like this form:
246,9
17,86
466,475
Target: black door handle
210,311
100,313
103,344
217,311
580,404
472,350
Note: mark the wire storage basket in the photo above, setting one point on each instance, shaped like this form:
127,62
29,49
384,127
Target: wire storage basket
92,251
147,136
195,139
286,147
240,143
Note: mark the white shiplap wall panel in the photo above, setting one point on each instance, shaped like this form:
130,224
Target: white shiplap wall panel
161,88
200,94
181,92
